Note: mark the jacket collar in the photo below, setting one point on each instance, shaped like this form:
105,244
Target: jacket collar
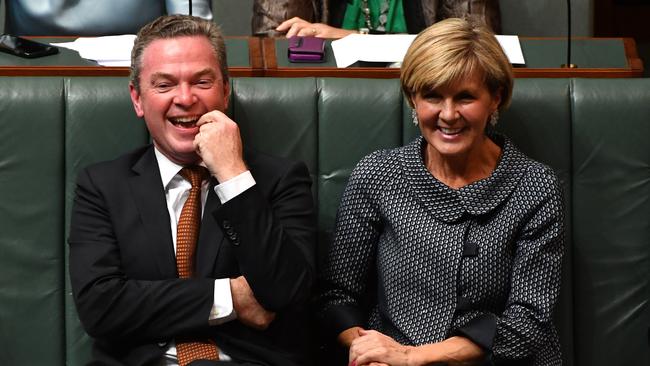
149,197
475,199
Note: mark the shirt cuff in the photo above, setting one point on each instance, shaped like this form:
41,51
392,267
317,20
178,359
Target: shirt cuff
235,186
480,330
222,309
338,318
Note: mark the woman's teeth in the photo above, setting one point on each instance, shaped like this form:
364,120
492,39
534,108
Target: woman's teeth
450,131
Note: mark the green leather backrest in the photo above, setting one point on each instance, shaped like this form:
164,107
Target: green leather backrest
353,121
100,124
32,327
611,221
277,119
592,132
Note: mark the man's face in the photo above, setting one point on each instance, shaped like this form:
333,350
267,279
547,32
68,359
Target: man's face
180,81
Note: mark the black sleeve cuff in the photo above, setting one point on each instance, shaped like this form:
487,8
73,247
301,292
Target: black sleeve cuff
480,330
341,317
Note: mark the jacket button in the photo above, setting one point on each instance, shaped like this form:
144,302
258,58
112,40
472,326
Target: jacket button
162,344
470,249
226,224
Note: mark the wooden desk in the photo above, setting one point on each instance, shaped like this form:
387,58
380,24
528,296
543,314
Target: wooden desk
595,57
244,58
252,56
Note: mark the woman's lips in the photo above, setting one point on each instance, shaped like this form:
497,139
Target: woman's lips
450,131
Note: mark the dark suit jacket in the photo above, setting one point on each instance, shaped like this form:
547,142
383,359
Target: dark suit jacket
123,268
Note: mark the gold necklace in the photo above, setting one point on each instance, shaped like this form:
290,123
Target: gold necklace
381,20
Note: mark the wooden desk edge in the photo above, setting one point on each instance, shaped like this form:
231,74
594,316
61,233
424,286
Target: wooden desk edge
634,61
262,58
255,53
268,49
63,71
634,66
394,73
101,71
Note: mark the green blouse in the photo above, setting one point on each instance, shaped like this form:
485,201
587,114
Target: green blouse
395,21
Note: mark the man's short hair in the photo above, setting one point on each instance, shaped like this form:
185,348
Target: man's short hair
172,26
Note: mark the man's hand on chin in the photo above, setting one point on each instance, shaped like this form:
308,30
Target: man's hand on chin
248,310
219,145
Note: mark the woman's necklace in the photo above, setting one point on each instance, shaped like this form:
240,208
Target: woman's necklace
382,19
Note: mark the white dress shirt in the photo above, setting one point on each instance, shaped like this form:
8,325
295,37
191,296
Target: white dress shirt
176,192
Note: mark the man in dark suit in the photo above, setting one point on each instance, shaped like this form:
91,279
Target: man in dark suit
252,267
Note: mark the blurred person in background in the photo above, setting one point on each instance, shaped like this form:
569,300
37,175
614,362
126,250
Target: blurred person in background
339,18
90,17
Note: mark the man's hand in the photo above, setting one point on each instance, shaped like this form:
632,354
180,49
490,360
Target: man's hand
248,310
219,145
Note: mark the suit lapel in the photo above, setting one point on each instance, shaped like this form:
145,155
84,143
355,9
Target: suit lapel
210,236
149,197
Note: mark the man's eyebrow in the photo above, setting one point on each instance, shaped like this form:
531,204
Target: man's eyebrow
207,71
160,75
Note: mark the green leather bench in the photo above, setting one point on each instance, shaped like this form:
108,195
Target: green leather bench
594,132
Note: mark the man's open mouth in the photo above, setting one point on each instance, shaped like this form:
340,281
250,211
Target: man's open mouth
184,122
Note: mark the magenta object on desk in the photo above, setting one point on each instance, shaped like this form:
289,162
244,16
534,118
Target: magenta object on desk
306,49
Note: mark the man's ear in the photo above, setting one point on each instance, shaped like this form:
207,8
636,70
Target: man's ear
135,99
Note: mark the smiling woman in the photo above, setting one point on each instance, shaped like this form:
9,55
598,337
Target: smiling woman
453,120
448,249
456,82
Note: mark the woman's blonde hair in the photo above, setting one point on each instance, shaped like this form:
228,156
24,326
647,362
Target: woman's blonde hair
450,50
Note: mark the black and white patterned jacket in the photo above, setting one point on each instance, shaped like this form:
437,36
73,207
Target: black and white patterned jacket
420,262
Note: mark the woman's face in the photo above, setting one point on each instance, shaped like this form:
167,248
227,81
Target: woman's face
453,118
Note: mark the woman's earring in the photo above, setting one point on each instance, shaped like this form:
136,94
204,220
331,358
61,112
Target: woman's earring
494,118
414,116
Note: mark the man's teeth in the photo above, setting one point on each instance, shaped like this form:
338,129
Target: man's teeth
450,131
184,121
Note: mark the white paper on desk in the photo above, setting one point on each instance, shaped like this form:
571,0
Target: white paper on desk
393,47
512,49
371,48
115,63
109,50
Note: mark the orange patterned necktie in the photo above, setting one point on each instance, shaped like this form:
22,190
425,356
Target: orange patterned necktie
187,235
